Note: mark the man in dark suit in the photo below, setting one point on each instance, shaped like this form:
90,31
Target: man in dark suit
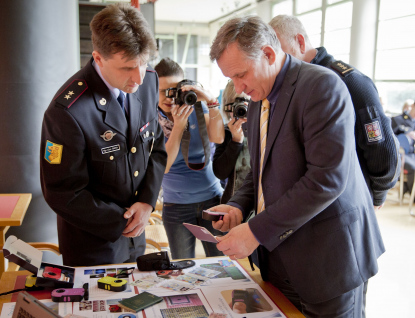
102,150
315,228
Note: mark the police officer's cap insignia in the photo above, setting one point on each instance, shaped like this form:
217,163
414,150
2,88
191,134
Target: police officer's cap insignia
71,93
108,135
342,68
102,101
53,152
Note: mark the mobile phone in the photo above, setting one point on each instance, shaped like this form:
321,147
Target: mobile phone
212,215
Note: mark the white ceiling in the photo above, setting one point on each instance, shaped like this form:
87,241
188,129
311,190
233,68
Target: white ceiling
199,11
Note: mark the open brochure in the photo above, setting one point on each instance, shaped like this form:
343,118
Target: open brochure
214,287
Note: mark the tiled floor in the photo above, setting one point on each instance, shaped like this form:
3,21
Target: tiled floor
391,292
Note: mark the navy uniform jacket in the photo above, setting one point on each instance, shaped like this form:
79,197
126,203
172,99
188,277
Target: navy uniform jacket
318,218
376,145
94,164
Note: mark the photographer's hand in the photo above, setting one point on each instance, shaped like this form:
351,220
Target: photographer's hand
202,94
137,215
181,115
235,127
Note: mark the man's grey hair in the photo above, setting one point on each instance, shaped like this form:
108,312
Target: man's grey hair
250,33
287,27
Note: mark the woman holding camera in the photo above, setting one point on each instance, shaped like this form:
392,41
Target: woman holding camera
231,159
187,192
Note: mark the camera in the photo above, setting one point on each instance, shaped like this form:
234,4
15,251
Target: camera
182,97
238,107
112,284
160,261
52,272
70,294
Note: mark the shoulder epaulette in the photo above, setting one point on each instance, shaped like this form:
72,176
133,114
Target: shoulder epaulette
150,70
71,93
342,68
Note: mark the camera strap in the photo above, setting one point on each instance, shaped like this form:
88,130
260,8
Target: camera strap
203,135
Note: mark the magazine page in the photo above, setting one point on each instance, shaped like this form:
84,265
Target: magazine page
103,308
191,304
244,300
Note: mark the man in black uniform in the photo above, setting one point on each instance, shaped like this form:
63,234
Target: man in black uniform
102,151
377,147
403,126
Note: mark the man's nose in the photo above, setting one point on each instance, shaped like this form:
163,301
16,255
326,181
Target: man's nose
138,76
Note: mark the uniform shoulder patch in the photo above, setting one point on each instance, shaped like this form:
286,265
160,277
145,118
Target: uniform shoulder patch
71,93
53,152
342,68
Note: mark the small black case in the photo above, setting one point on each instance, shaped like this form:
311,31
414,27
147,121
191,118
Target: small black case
160,261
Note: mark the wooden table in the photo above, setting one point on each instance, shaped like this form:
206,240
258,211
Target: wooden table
15,219
8,280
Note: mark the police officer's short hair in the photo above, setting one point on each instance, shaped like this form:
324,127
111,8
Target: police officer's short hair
120,27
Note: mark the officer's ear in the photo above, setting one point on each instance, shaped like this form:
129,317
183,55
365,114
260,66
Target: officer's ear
98,58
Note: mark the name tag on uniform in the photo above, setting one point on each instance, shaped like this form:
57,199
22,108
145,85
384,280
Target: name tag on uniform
110,149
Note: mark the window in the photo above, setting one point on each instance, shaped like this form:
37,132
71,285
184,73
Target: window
395,51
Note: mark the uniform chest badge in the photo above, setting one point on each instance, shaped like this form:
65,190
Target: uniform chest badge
108,135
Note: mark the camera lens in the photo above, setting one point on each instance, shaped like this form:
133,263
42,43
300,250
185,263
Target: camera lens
240,110
190,98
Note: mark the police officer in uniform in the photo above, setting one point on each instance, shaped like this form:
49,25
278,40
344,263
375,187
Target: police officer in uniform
403,126
376,145
102,151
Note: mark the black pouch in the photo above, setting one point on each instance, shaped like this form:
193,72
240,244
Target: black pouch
160,261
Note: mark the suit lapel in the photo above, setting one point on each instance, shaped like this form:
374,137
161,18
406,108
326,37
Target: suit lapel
281,107
105,102
134,117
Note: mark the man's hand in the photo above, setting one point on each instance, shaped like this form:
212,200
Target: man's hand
137,215
230,220
238,243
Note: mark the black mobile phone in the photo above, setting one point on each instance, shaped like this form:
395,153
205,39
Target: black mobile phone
212,215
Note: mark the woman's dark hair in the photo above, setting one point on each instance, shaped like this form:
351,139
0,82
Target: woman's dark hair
167,67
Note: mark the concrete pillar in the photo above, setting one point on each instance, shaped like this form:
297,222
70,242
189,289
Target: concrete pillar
363,36
39,51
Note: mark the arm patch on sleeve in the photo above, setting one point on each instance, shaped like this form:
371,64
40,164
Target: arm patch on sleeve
342,68
373,131
71,93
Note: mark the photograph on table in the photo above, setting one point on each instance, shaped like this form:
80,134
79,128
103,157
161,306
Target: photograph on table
235,300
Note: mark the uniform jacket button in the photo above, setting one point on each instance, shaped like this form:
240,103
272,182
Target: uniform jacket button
136,174
112,158
136,193
133,150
